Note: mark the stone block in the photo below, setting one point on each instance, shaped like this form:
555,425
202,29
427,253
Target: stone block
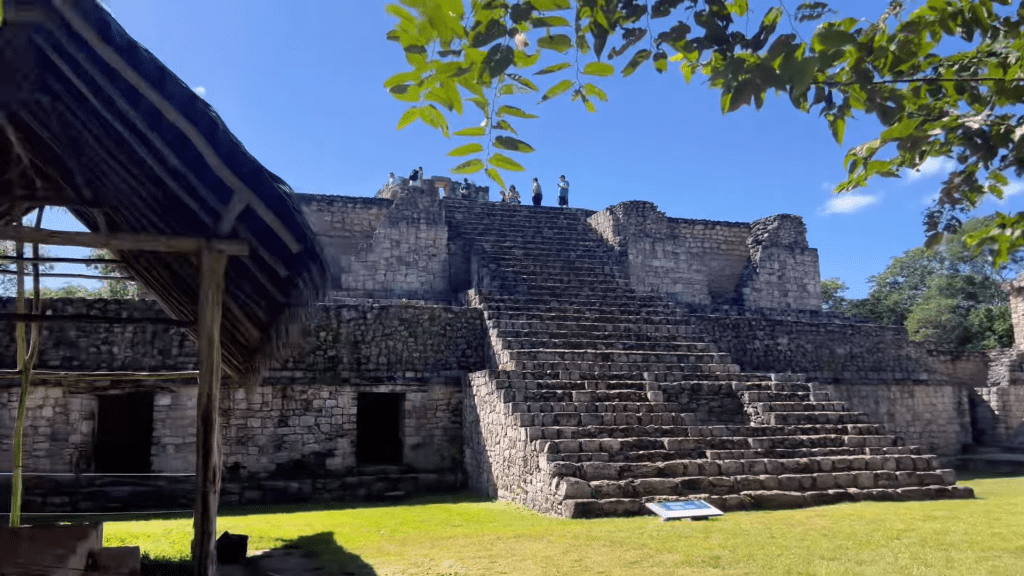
776,500
573,489
591,471
582,508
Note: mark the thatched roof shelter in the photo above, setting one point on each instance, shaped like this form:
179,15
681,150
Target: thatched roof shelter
91,121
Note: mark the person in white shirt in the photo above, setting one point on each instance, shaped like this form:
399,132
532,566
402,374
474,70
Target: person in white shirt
537,194
563,191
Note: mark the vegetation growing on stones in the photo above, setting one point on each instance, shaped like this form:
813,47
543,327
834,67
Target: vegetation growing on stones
944,79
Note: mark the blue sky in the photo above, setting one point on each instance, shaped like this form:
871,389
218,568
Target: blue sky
301,84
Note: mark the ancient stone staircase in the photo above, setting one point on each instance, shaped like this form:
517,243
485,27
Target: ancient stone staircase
600,399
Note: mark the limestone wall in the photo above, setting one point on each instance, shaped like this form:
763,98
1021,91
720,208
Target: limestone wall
344,225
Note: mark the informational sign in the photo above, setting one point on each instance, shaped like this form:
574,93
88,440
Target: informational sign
689,509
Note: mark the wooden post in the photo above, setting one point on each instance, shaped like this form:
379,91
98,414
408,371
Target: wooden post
208,450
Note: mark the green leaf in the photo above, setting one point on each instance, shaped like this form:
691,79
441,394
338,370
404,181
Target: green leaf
594,91
513,144
900,130
469,167
409,117
660,61
601,69
550,4
524,82
467,149
475,131
513,111
402,78
639,58
553,68
837,124
433,118
557,90
496,177
393,9
503,125
549,22
831,38
560,43
499,160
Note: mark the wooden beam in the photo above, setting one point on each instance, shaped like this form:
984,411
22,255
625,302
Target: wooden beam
208,450
78,276
52,260
124,241
88,319
58,375
175,117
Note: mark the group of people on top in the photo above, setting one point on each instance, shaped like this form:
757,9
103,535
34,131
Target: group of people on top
512,196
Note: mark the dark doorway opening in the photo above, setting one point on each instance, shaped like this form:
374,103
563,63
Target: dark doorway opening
379,428
124,433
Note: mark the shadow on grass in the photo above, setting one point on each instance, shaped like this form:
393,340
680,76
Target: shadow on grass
968,475
250,509
302,556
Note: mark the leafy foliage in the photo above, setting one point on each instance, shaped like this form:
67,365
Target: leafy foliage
943,80
950,295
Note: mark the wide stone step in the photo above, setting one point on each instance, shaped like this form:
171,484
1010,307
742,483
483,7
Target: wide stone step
766,407
609,341
754,396
571,385
545,395
773,467
533,314
534,421
636,408
560,330
581,371
624,449
623,307
811,452
668,358
753,436
671,372
784,418
763,499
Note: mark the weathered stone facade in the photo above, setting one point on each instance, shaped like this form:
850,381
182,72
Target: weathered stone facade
743,310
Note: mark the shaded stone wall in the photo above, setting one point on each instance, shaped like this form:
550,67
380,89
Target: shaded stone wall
997,408
303,415
394,248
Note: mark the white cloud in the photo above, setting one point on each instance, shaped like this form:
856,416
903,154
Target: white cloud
201,91
929,168
848,203
1013,188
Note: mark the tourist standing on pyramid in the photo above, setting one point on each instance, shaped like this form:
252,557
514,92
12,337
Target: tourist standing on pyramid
414,177
513,195
563,191
392,180
464,188
537,195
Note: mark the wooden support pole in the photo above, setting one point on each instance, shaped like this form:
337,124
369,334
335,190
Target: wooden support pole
208,450
123,241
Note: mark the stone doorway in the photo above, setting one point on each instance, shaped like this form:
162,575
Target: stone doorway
124,433
379,428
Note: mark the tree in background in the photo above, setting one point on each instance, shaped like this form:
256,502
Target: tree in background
951,295
944,79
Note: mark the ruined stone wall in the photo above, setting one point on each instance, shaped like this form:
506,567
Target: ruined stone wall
393,249
783,270
997,408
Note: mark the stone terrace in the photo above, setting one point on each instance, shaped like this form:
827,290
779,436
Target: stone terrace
600,399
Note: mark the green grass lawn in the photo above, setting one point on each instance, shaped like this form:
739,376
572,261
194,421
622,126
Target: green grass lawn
457,537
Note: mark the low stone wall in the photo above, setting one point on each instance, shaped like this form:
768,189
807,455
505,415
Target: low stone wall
935,417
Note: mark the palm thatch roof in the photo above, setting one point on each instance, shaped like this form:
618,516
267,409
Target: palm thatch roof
90,120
